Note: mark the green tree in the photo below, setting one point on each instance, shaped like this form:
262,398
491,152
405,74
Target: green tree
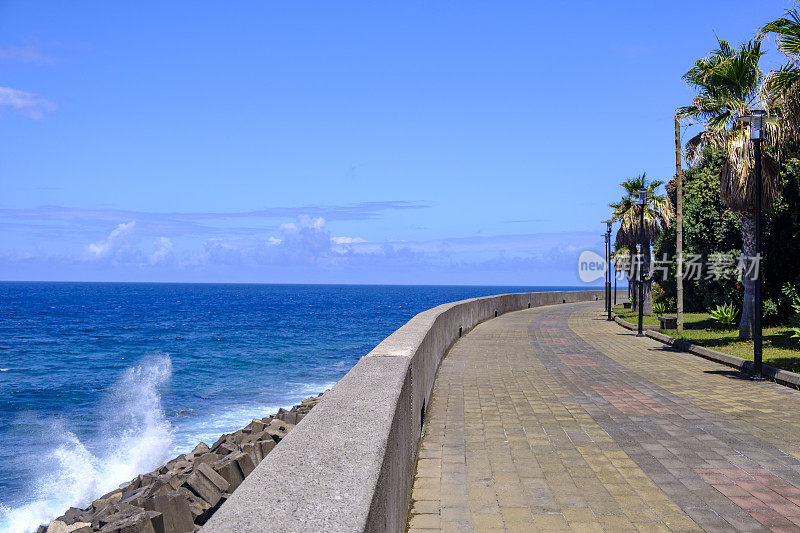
658,214
709,227
782,87
728,84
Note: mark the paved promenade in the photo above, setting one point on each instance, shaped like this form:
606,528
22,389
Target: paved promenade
553,419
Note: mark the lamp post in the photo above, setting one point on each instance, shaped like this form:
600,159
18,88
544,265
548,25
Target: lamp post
615,283
608,266
757,120
642,202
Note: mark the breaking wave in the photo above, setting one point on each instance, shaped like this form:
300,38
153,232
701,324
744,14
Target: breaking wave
134,437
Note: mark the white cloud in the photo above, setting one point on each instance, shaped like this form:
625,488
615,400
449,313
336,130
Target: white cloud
24,54
347,240
118,240
25,103
164,247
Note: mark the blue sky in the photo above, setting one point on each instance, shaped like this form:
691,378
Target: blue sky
348,142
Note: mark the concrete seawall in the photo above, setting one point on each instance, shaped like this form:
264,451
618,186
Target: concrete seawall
348,466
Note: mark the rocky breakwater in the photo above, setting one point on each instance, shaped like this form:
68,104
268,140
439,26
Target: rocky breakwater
181,495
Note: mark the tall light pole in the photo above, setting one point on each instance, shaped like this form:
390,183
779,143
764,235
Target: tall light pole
679,232
615,283
757,120
642,202
608,265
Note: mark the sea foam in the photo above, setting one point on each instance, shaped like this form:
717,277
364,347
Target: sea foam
134,437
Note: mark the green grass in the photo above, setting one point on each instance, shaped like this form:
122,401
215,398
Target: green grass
629,316
779,349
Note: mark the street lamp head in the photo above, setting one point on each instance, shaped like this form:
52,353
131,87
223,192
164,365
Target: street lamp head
608,224
642,196
757,119
757,123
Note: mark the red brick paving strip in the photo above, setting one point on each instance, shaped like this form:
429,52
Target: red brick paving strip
554,419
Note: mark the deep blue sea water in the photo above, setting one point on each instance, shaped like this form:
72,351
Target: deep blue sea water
102,381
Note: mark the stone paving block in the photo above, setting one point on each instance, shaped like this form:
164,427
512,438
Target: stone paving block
557,414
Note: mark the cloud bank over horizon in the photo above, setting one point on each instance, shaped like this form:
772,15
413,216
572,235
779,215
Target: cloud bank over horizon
280,245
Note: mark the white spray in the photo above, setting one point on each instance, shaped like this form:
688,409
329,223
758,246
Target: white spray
135,438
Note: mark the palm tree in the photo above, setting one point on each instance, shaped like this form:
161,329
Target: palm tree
621,257
728,84
657,215
782,87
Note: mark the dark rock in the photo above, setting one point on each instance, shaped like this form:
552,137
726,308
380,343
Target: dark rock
246,463
181,466
256,426
197,506
141,522
200,449
111,497
135,497
73,515
253,450
174,508
228,468
236,438
266,446
290,417
171,464
207,484
208,458
280,425
219,442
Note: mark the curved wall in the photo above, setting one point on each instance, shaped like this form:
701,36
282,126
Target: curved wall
348,465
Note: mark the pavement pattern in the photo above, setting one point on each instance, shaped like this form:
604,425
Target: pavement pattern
553,419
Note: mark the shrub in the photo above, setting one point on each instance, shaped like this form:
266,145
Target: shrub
725,314
658,308
770,311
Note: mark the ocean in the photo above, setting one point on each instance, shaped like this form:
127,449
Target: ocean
102,381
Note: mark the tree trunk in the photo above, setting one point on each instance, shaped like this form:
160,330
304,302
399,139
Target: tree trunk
647,302
746,326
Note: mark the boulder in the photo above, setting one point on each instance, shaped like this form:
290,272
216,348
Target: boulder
225,448
250,449
112,497
207,484
171,464
280,425
197,506
266,447
135,497
180,466
245,462
58,526
73,515
290,417
141,522
200,449
174,508
236,438
256,426
208,458
219,442
112,512
228,468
